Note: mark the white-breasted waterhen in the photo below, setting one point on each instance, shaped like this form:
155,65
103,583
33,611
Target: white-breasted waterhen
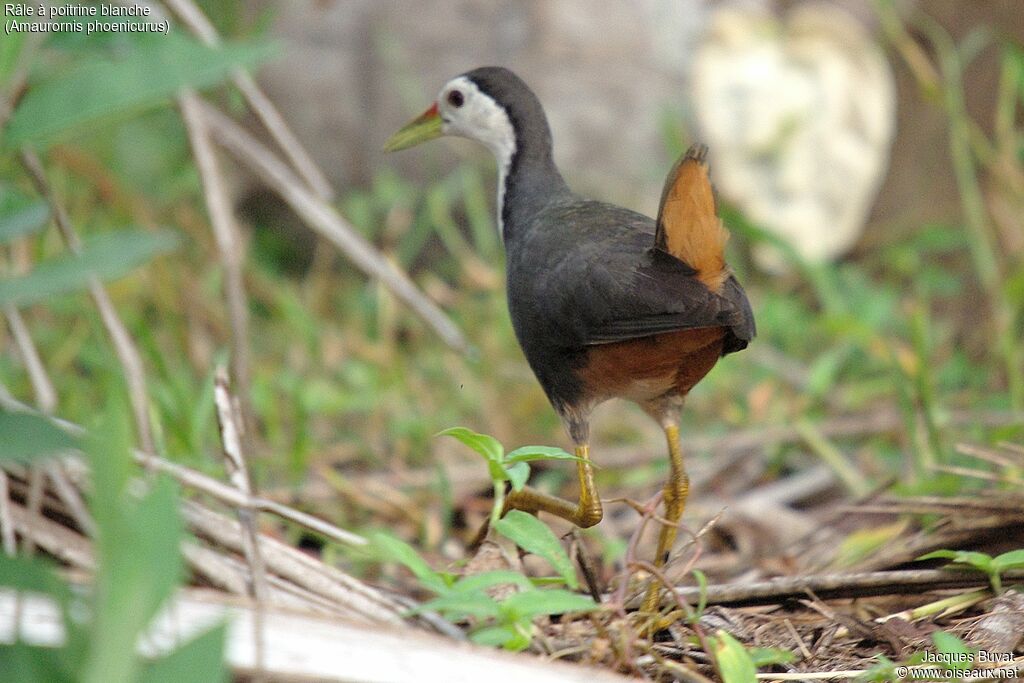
605,302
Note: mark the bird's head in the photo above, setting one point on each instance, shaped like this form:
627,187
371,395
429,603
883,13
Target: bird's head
490,105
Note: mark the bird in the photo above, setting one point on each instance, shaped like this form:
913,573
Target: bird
605,302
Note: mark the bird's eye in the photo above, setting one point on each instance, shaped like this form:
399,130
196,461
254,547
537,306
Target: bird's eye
456,98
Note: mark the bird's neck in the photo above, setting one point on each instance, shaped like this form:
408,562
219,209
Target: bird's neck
528,180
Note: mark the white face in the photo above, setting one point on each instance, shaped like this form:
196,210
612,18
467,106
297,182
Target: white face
469,113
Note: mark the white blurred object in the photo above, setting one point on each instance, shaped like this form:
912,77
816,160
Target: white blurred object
799,115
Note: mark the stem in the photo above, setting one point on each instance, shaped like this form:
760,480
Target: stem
499,501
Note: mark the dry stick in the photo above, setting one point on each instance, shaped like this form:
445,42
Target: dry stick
831,586
124,347
361,600
192,17
323,218
238,475
6,522
46,399
200,482
229,246
53,537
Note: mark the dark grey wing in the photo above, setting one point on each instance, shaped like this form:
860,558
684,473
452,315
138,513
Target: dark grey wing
612,284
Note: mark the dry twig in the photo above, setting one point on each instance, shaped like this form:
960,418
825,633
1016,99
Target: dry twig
831,586
124,347
238,475
229,245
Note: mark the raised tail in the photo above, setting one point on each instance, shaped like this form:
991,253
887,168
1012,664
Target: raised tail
688,225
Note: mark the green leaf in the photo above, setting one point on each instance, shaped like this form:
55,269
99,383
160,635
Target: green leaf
531,453
767,656
28,437
200,660
485,445
21,663
533,603
499,636
10,53
518,474
734,662
460,605
533,536
150,72
138,551
396,550
140,566
107,256
1013,559
937,554
882,672
981,561
25,221
37,575
485,580
960,656
702,602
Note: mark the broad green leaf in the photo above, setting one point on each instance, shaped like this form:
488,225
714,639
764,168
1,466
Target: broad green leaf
37,575
531,453
24,221
459,605
397,550
498,636
981,561
767,656
960,656
32,574
530,604
138,550
882,672
149,72
10,50
533,536
21,663
29,437
200,660
938,554
485,445
734,662
1013,559
140,566
107,256
485,580
518,474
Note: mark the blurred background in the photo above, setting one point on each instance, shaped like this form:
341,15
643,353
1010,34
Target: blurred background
868,159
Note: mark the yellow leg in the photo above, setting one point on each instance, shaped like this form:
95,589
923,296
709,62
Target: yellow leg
677,488
586,513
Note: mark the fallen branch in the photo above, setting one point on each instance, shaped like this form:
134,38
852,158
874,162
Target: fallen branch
834,586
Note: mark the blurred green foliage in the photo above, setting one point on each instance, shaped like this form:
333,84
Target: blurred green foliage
139,567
